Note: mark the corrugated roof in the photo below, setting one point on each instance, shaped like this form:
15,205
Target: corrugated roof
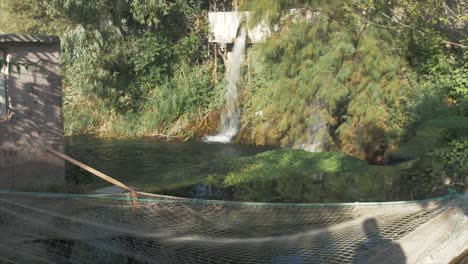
5,38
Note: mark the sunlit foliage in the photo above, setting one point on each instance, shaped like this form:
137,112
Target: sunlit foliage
440,150
352,76
123,59
329,81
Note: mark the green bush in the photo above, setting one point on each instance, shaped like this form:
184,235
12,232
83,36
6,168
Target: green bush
439,169
432,134
189,95
317,81
440,146
450,161
80,119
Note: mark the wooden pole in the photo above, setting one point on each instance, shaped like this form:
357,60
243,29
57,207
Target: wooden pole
215,70
96,172
249,73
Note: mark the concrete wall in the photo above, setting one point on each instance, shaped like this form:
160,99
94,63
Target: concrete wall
224,27
35,115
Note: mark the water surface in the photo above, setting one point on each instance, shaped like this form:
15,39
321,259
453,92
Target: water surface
180,169
150,164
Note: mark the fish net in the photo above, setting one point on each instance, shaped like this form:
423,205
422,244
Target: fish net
60,228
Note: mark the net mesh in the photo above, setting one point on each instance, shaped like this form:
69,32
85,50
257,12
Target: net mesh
53,228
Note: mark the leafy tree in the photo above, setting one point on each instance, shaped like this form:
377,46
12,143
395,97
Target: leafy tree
117,54
30,17
436,21
433,37
330,80
357,75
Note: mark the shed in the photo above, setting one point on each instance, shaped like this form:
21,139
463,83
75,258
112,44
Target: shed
31,113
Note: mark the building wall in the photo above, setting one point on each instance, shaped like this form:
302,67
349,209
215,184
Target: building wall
35,118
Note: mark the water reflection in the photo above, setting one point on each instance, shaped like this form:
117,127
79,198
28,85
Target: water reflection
330,188
180,169
149,164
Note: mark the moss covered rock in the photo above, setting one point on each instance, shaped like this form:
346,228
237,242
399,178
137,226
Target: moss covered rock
298,176
278,163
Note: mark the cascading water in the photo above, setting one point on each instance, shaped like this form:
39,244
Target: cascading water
230,118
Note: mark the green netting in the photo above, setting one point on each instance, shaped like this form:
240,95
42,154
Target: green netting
59,228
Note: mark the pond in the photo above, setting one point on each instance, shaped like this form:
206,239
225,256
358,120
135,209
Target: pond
180,169
149,164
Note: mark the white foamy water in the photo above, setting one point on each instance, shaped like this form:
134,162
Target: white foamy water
230,117
223,137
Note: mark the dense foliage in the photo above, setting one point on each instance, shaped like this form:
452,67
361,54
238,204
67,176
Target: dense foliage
440,146
353,76
130,67
363,77
341,85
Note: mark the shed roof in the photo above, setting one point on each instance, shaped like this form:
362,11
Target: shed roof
5,38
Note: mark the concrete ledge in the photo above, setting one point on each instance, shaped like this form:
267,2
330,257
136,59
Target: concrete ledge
224,27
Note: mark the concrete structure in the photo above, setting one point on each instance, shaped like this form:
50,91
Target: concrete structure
31,113
224,27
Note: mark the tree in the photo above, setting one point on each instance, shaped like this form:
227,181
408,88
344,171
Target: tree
329,80
443,21
30,17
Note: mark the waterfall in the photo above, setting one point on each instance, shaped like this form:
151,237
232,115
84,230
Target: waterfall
230,117
315,143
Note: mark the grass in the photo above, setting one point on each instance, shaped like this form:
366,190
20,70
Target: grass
301,176
279,163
